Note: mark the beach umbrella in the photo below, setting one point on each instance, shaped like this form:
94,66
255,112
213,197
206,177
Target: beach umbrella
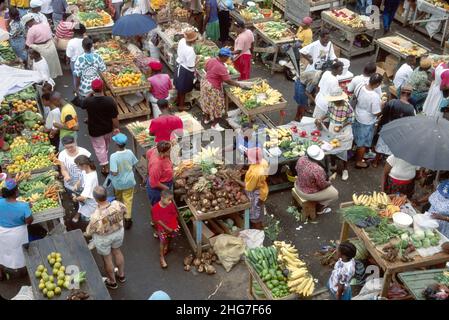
421,141
133,25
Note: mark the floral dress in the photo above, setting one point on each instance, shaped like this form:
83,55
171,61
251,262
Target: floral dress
17,39
440,204
88,67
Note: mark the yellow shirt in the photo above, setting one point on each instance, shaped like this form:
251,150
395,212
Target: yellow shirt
305,36
256,179
20,3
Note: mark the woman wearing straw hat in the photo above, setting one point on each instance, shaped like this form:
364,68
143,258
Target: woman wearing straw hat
341,117
420,81
184,74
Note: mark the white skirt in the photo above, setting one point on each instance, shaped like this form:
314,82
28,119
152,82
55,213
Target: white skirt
11,241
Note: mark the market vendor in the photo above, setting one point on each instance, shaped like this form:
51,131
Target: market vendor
166,125
435,99
35,11
243,47
184,74
64,32
161,85
341,117
420,81
39,37
305,33
14,217
256,186
212,99
211,24
160,171
327,83
305,88
398,177
319,53
439,207
17,35
312,183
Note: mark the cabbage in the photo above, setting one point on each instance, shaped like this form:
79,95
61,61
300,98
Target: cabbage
434,241
419,235
404,236
429,234
426,243
417,244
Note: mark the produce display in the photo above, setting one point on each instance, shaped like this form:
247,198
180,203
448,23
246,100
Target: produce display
94,19
29,93
181,13
204,263
124,75
251,13
439,3
55,278
276,30
141,133
6,52
112,51
347,17
175,30
205,51
260,94
403,45
158,4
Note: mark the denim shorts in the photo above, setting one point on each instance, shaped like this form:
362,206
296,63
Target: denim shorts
105,243
363,134
300,94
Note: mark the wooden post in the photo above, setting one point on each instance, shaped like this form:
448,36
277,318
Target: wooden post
344,232
386,285
199,237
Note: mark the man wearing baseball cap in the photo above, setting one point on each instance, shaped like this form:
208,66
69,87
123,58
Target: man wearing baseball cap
161,85
305,34
122,163
102,122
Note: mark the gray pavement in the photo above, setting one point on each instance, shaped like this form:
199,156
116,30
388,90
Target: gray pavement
144,274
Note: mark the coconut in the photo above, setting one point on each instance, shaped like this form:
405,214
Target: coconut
214,202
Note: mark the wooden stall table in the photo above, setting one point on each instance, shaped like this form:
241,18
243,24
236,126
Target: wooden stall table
390,268
350,33
50,215
126,111
279,4
198,218
417,281
167,49
97,31
296,10
75,252
261,37
439,14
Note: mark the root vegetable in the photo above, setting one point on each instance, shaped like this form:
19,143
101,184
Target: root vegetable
210,269
196,262
214,202
201,268
187,268
188,260
217,208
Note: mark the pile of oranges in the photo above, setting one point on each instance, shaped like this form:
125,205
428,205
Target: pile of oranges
127,80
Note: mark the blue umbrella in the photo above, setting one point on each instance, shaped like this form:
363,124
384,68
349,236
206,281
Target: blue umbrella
133,25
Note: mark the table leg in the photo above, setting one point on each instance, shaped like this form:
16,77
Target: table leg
274,59
377,53
250,289
199,237
344,233
246,225
386,285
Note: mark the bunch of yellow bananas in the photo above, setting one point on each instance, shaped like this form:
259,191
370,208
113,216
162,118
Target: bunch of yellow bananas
378,200
299,279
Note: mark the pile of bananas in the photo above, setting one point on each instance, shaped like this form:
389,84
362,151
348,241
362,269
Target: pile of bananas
378,200
277,136
260,94
299,279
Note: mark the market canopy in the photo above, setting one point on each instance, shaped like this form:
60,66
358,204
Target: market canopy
13,80
133,25
422,141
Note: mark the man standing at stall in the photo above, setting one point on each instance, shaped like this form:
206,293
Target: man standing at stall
243,47
319,53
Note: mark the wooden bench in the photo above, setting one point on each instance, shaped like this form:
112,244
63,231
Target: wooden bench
308,207
127,112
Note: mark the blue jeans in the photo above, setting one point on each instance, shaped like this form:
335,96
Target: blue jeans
154,194
57,17
22,12
18,45
347,294
391,6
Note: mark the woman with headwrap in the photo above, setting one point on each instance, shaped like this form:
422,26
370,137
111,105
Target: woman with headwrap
434,100
14,218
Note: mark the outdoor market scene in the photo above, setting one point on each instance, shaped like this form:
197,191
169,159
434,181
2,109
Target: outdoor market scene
224,150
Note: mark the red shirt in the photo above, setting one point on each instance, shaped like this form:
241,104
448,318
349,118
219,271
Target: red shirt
163,127
216,72
160,85
159,169
167,215
311,176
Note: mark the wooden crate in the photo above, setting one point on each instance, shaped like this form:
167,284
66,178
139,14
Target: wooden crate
127,112
218,213
417,281
126,90
50,214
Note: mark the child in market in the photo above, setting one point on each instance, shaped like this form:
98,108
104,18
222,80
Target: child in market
53,116
88,182
344,270
164,215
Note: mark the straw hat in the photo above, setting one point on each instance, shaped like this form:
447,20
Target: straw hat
425,63
406,88
190,35
315,152
337,95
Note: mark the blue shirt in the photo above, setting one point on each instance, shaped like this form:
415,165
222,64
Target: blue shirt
213,14
13,214
123,162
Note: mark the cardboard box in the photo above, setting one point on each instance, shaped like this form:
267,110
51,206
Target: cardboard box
381,68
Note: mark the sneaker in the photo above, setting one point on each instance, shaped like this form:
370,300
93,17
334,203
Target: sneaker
109,285
325,210
120,279
128,223
217,127
344,175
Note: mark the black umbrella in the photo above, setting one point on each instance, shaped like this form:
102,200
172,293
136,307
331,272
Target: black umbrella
422,141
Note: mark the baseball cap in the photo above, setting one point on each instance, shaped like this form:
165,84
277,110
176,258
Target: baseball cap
120,138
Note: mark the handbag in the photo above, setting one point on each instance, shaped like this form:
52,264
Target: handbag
354,99
107,184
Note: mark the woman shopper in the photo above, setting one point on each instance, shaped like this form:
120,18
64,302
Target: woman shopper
211,23
243,47
87,204
161,85
17,34
15,216
75,48
431,106
88,67
212,95
398,177
184,75
160,171
64,32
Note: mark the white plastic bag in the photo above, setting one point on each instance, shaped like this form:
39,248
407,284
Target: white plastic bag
25,293
424,222
253,238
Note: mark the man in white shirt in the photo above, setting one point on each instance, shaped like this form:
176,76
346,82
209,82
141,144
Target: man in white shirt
404,72
47,9
327,84
318,52
363,79
366,113
75,47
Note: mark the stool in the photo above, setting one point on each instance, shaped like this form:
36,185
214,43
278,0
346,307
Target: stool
308,207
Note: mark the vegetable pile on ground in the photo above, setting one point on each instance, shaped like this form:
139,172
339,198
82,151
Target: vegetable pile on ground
112,51
6,52
124,75
202,264
260,94
276,30
265,262
207,185
55,278
141,134
93,19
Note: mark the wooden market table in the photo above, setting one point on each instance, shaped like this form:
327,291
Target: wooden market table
75,252
347,46
390,268
417,281
50,215
261,38
296,10
236,16
99,30
198,218
126,111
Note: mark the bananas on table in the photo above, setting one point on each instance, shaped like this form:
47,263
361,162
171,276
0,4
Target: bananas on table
260,94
